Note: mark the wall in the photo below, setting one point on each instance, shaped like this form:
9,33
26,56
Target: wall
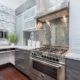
7,22
13,4
74,26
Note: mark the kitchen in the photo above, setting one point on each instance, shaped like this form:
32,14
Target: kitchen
47,45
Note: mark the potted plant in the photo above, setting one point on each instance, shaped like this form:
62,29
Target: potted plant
12,39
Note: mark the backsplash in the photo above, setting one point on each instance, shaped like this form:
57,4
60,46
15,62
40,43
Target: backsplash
60,32
58,35
7,22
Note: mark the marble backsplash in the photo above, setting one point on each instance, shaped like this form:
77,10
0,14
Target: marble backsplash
7,22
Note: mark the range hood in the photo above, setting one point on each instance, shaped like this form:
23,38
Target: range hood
54,12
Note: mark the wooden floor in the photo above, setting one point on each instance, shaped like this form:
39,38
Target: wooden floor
9,72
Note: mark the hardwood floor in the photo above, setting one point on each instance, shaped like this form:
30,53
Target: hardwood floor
9,72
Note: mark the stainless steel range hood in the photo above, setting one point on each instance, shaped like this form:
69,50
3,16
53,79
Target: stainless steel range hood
57,11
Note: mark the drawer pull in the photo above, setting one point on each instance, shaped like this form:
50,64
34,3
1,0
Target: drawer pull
20,66
24,51
21,58
17,50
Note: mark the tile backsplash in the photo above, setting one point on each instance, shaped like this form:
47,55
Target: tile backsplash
7,22
58,35
60,32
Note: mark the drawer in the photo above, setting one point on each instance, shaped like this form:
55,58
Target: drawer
74,64
20,65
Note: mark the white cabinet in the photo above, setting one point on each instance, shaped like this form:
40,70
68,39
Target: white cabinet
12,57
31,13
29,24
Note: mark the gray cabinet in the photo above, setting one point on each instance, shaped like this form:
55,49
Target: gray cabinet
19,30
72,69
22,61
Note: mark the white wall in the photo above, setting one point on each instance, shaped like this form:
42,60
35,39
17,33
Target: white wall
74,26
13,4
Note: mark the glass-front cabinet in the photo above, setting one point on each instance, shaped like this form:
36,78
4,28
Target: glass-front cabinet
29,24
30,13
28,19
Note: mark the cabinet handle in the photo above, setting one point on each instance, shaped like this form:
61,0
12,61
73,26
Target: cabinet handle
21,57
17,50
24,51
20,66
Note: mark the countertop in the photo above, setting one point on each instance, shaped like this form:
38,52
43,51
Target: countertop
74,56
19,47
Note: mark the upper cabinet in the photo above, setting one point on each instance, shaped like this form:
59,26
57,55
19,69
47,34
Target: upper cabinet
25,6
29,24
30,13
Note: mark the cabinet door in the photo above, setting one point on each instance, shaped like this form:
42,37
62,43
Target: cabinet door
26,53
19,10
72,69
12,57
30,13
29,24
28,4
19,30
72,74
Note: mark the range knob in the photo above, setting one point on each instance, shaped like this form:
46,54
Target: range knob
48,57
34,54
54,58
43,56
51,57
57,59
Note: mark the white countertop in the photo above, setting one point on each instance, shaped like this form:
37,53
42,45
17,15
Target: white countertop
20,47
75,56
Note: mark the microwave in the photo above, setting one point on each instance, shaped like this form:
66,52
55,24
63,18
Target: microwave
3,34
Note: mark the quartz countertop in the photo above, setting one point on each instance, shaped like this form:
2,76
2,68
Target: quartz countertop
19,47
74,56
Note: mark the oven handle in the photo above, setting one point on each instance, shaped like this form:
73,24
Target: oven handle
57,66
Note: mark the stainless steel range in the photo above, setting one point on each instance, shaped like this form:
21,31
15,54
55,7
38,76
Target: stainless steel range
48,63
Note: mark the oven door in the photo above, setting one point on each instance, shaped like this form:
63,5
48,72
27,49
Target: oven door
46,70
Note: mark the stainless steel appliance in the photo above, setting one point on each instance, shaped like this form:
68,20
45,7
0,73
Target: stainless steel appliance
48,63
55,11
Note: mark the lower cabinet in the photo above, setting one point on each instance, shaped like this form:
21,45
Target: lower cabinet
72,69
22,61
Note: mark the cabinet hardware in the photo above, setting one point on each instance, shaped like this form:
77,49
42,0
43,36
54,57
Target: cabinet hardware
24,51
21,66
21,57
17,50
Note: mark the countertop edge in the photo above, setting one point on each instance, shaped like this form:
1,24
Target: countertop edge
74,56
18,47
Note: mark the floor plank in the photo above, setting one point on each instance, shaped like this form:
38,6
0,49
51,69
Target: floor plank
11,73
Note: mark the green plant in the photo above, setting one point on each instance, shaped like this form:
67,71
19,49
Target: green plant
12,38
